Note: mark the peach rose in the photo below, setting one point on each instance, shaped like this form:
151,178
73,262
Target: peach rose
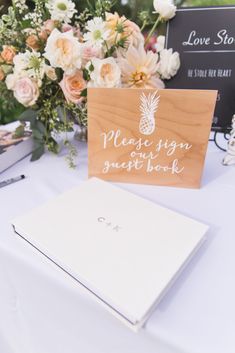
8,54
26,91
2,75
33,42
106,73
43,35
72,87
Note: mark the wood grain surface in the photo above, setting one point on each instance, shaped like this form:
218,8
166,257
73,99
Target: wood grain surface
173,155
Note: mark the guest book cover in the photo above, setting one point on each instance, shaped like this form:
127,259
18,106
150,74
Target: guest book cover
149,136
205,39
13,148
125,260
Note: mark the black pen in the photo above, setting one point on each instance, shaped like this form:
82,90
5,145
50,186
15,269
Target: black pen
11,181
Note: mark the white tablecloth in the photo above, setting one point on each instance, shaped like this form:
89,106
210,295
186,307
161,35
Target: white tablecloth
42,310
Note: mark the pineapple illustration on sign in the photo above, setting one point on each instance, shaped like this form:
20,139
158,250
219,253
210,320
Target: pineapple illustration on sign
148,107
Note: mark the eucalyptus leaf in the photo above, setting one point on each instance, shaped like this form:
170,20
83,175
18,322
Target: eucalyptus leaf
37,135
37,143
40,127
38,152
29,115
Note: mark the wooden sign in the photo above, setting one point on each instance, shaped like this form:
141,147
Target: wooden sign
149,136
205,39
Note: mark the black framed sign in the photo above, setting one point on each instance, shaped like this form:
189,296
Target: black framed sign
205,39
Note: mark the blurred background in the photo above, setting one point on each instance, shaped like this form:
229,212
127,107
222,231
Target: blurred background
130,8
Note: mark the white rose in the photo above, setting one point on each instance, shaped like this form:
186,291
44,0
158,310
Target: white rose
11,81
159,46
21,61
64,50
169,64
106,73
50,72
165,8
26,91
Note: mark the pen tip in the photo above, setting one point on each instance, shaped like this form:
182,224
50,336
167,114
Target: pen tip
22,176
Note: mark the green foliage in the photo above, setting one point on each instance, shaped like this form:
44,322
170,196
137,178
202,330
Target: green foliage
72,154
208,2
10,109
54,113
100,7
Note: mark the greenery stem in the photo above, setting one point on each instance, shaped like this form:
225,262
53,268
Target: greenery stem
65,123
143,26
107,48
152,30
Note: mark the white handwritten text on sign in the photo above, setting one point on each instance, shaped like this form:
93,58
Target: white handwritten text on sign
139,159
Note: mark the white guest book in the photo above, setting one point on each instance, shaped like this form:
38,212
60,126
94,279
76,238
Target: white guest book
123,249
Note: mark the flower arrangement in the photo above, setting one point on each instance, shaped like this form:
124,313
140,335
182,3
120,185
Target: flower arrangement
51,55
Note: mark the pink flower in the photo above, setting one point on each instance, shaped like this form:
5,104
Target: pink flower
26,91
89,53
49,25
151,45
66,27
77,32
72,87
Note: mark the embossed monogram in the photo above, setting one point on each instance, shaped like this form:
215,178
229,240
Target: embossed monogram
108,223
